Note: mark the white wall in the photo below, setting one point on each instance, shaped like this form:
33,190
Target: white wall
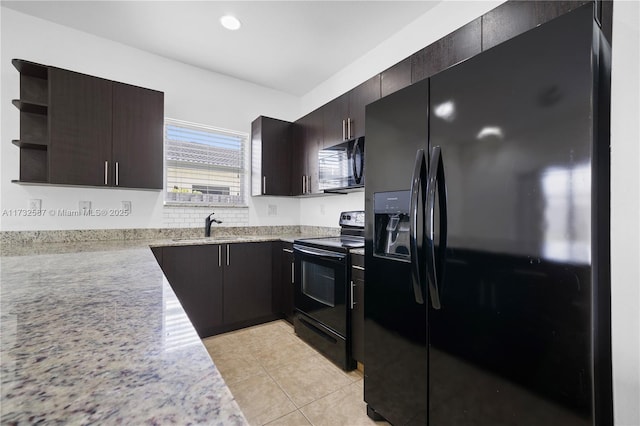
191,94
625,212
325,211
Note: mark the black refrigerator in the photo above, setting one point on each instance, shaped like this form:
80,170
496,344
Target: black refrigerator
487,237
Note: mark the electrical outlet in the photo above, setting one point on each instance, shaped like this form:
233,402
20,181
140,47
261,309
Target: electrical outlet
272,210
35,204
84,205
126,207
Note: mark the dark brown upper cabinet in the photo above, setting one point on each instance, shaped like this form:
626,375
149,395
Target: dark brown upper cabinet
77,129
271,159
308,138
344,116
455,47
359,98
515,17
396,77
335,115
138,122
80,120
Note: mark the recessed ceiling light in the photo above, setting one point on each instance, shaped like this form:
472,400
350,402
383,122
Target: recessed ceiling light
230,22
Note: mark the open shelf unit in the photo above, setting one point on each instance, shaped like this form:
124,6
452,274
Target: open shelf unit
34,134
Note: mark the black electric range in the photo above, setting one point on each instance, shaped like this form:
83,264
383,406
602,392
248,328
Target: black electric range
323,290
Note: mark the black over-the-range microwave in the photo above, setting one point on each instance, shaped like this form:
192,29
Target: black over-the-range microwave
341,167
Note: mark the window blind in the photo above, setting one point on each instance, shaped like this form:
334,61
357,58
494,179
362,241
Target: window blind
204,165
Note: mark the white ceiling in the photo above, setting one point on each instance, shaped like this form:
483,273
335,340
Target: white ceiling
290,46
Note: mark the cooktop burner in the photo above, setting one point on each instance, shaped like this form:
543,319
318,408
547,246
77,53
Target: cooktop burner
351,234
343,241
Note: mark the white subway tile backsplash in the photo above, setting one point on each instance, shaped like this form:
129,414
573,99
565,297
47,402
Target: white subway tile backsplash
193,217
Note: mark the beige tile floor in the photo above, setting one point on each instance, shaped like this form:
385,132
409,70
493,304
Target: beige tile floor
277,379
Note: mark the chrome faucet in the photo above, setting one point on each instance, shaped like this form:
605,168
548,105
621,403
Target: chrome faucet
207,224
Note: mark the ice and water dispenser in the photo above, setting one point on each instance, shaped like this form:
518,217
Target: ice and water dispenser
392,228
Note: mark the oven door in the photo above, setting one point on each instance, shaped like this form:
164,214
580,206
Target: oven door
321,286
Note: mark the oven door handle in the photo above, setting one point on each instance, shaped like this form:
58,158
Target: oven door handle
320,253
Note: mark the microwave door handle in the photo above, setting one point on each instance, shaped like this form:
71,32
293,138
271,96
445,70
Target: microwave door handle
436,174
416,186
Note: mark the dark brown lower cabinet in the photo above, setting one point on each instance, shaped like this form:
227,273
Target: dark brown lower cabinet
222,287
287,279
197,280
357,313
247,282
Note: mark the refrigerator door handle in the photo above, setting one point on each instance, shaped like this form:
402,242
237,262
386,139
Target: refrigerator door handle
435,181
417,187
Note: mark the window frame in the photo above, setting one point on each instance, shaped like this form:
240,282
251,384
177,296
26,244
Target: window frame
244,171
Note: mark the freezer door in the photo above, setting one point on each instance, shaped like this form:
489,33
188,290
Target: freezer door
395,384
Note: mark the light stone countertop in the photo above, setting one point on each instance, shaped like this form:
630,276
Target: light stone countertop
231,239
93,333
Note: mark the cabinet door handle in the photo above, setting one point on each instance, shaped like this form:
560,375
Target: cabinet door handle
106,173
228,257
353,303
117,173
344,137
349,128
308,184
219,256
293,272
264,185
304,184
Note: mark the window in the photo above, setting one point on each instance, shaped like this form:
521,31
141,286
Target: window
204,165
